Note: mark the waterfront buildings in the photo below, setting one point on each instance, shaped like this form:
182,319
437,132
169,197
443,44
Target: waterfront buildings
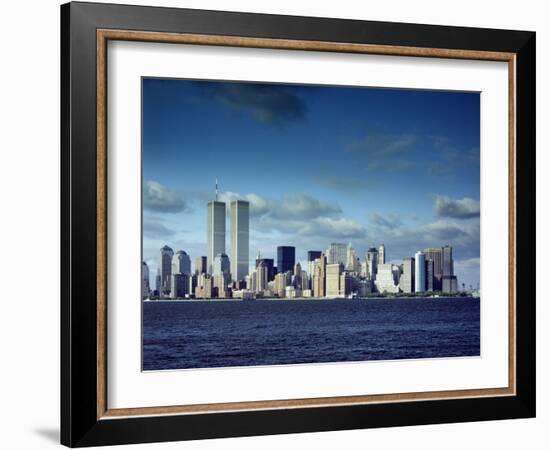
286,258
240,224
322,280
166,255
215,237
419,272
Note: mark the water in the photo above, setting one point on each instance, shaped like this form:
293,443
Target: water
188,334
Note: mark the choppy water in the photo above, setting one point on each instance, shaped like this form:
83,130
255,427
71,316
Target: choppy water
188,334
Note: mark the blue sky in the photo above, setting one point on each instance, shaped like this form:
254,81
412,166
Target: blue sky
319,164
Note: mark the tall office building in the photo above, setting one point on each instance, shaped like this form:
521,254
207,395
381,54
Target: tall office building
240,225
179,286
166,255
382,254
352,263
221,273
429,275
406,282
286,257
337,253
419,272
319,277
372,263
144,280
200,265
312,255
447,261
270,265
333,272
261,277
449,282
181,263
158,281
215,236
385,279
436,255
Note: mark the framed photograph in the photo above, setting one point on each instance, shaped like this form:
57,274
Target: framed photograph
277,224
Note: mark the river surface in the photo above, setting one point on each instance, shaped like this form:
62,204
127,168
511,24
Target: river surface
198,334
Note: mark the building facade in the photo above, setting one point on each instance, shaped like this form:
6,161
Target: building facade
166,255
181,263
240,225
337,253
286,258
406,282
200,265
419,272
144,280
215,232
332,279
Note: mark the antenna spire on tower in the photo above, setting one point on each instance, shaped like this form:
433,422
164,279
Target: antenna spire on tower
216,188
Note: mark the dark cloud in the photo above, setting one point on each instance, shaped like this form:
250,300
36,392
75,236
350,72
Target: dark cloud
268,103
159,198
466,208
386,152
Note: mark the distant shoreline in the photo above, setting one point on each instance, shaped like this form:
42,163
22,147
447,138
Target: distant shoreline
210,300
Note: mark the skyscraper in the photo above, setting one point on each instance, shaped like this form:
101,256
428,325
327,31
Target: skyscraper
200,265
429,275
333,272
312,259
215,232
352,264
221,273
166,254
286,257
144,280
382,254
372,262
319,278
436,255
406,282
240,224
447,261
337,253
181,263
419,272
449,282
270,265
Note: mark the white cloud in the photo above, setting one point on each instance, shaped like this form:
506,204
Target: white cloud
157,197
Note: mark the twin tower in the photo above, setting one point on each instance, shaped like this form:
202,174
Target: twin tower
240,225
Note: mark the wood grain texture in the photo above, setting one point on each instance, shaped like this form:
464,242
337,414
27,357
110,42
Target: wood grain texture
103,35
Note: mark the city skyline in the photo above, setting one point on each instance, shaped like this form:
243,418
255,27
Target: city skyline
310,173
